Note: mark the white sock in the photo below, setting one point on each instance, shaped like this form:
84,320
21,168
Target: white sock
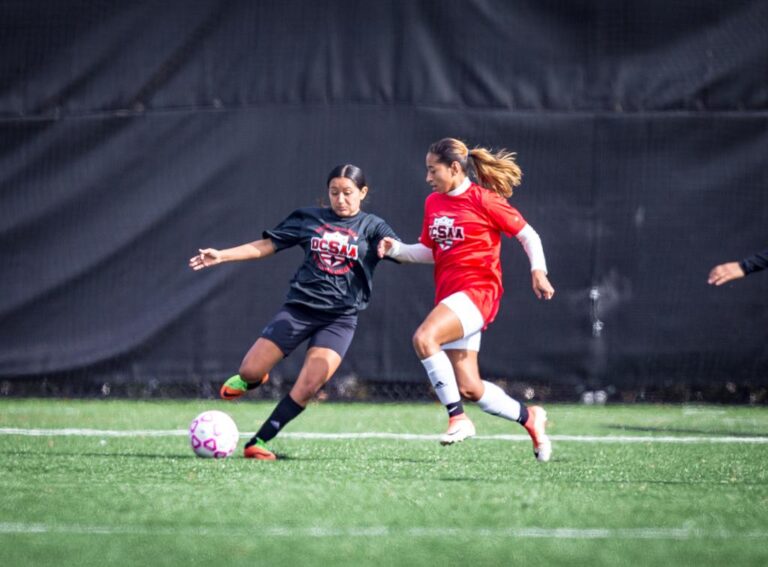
440,372
495,401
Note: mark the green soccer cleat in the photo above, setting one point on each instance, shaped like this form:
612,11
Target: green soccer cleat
235,387
259,451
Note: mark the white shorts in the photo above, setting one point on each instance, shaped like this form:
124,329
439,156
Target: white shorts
471,322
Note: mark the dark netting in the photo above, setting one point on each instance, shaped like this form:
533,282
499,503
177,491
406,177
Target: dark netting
132,134
95,384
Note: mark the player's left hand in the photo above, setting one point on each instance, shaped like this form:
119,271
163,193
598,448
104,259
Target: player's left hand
541,286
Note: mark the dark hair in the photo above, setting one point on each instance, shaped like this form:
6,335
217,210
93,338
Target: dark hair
351,172
449,150
497,171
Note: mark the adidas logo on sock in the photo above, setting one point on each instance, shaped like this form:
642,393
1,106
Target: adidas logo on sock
274,423
439,384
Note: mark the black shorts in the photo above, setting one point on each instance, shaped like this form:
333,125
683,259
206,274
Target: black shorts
293,324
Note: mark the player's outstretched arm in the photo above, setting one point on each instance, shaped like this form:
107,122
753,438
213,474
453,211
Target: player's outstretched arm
541,286
408,253
208,257
723,273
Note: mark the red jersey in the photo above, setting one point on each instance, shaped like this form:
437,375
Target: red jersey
464,233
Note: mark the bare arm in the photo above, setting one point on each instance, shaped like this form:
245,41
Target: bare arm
724,273
255,250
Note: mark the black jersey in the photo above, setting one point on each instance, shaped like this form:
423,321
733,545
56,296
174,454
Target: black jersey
755,263
339,257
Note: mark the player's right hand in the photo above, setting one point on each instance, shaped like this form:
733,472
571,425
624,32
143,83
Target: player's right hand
385,245
724,273
206,258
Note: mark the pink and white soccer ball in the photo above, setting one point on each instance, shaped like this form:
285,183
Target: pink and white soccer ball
213,434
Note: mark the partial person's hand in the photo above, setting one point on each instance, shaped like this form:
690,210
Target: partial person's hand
207,257
541,286
724,273
385,245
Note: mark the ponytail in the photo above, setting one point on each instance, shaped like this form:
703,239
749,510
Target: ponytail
497,171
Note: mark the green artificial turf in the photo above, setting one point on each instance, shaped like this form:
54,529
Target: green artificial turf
694,491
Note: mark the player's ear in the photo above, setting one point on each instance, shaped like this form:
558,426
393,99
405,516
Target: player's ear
363,192
455,168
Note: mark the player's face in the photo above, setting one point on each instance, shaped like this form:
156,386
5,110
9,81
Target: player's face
443,178
345,196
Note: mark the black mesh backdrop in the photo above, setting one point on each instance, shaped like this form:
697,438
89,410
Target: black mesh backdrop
131,135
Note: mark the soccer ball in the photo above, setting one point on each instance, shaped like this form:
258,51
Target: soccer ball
213,434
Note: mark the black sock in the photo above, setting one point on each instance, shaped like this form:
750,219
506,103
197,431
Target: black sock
285,411
455,409
249,385
523,414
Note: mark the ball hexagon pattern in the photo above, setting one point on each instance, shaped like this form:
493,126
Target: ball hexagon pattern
213,434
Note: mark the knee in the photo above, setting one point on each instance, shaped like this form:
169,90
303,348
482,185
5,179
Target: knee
424,343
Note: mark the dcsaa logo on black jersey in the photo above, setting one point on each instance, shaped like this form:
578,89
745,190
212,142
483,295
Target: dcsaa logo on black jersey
443,232
335,249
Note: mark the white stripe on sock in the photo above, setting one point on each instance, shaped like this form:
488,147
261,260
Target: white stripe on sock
440,373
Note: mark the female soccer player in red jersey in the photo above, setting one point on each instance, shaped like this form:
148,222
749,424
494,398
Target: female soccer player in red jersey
461,234
331,286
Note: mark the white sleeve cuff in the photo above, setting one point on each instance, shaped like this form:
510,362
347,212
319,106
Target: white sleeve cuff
531,242
411,253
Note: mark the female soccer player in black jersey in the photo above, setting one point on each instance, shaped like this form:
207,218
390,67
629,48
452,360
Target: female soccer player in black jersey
333,283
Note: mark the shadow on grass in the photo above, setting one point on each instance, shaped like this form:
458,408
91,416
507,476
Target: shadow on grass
237,456
670,482
157,456
648,429
355,458
464,479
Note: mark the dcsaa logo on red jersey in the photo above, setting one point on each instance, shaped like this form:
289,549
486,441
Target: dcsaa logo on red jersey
335,250
444,233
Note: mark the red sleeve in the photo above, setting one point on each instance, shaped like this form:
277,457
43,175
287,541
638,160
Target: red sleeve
425,238
503,216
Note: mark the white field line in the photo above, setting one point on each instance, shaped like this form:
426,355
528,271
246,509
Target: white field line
657,533
381,435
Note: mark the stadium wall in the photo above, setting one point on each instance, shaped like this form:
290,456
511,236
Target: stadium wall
131,134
